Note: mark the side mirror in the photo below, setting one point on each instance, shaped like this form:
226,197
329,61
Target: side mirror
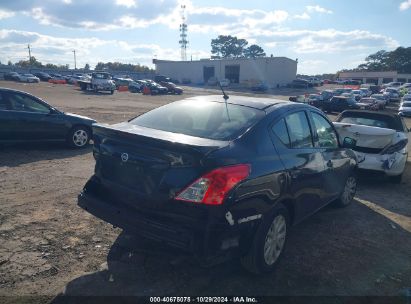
349,142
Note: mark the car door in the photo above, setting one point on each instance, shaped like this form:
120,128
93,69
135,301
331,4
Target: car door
336,160
33,119
6,122
303,162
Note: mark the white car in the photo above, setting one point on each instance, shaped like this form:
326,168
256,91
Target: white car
224,82
28,78
381,140
405,106
381,100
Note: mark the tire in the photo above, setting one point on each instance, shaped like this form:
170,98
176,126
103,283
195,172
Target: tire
112,92
348,193
266,251
396,179
79,137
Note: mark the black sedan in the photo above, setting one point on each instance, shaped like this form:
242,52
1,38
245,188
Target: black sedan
220,179
339,104
11,76
26,118
42,76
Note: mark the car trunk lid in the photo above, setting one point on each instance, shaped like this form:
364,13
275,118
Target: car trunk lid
369,139
147,166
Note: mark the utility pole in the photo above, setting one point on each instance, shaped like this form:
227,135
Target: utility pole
28,46
183,34
75,63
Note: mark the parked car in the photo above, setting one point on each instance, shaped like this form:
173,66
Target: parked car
381,140
368,103
339,104
135,86
381,99
392,94
367,92
230,186
156,89
327,94
11,76
26,118
42,76
161,78
300,83
392,84
224,82
338,92
259,87
315,100
172,88
405,108
27,78
358,94
100,81
212,81
315,82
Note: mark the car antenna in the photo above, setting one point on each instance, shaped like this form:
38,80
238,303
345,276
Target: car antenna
225,96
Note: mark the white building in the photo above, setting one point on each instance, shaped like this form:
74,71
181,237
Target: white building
272,71
376,77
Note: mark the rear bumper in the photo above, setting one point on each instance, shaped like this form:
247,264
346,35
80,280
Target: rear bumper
390,164
206,240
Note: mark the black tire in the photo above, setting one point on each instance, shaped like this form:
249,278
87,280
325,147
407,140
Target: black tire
396,179
255,260
79,137
348,193
112,92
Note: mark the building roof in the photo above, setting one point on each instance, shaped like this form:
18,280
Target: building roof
207,60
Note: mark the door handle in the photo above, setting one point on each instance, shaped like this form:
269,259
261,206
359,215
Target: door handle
329,164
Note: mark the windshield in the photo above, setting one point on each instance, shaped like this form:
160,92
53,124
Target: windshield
210,120
365,122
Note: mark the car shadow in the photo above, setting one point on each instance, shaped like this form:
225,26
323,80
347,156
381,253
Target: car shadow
95,93
18,154
335,252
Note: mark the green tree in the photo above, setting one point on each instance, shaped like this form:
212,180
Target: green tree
254,51
87,67
228,47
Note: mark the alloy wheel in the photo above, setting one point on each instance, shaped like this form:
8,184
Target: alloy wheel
275,239
80,138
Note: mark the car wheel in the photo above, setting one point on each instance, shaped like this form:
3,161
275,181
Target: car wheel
95,89
79,137
396,179
268,243
112,92
348,193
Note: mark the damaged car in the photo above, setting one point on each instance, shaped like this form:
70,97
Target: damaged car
220,178
381,140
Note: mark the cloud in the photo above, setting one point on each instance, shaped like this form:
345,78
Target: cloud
405,5
94,15
303,16
327,41
6,14
49,49
318,9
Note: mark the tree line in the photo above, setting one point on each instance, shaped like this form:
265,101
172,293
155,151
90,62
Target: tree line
398,60
114,66
233,47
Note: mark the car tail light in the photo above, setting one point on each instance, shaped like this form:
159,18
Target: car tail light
396,147
212,187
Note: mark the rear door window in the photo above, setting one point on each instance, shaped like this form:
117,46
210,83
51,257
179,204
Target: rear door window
23,103
327,138
3,102
299,130
280,130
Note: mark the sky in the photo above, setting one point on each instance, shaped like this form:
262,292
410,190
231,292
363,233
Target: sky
325,36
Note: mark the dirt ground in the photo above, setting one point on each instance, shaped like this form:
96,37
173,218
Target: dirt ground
49,246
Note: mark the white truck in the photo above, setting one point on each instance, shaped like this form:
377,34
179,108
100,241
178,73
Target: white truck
100,81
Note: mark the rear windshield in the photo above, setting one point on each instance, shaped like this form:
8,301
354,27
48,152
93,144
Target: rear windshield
372,120
204,119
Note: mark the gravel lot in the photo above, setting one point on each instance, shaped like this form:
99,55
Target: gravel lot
48,245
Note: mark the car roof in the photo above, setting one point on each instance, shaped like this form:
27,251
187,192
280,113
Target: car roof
369,113
252,102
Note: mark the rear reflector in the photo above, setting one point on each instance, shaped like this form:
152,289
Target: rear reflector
212,188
